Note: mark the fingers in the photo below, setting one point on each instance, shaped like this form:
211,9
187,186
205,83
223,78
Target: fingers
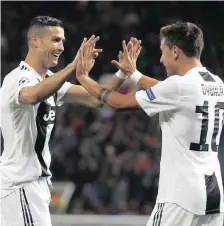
97,50
134,41
125,50
95,55
133,47
120,56
116,64
83,42
129,46
92,40
138,51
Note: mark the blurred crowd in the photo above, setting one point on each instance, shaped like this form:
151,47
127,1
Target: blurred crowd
112,157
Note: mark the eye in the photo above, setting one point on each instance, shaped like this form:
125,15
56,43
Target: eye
56,39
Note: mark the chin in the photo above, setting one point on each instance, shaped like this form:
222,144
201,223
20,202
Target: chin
53,64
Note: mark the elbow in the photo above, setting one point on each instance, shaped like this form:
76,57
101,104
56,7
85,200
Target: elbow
29,100
26,97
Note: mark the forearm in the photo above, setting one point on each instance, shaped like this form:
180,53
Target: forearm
114,83
46,88
95,90
147,82
142,80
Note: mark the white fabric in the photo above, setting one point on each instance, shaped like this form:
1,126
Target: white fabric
182,171
121,75
169,214
27,206
26,130
136,76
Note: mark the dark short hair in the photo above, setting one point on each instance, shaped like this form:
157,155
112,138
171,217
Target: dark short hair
44,21
187,36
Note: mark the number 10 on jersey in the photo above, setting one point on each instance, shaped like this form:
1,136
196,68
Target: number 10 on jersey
218,112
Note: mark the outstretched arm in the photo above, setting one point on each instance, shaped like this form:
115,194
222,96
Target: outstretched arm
112,98
80,95
30,93
128,66
107,96
164,96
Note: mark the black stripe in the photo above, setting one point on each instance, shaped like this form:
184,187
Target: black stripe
206,76
156,215
41,137
54,128
213,197
55,98
198,147
24,218
42,122
27,204
160,215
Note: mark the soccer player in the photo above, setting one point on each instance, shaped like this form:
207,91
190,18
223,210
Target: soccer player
190,104
30,94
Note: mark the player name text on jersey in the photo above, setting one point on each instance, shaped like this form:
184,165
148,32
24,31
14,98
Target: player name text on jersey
212,90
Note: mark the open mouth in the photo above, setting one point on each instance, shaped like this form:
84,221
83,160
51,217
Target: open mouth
56,55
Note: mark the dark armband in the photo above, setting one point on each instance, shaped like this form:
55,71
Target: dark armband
100,94
106,95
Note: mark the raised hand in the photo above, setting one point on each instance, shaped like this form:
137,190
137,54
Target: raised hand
92,41
127,58
86,58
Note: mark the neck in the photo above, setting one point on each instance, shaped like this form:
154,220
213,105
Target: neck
188,64
34,61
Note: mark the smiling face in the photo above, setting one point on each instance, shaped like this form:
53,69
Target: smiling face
49,45
169,58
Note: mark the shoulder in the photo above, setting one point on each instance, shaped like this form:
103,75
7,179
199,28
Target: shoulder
173,80
19,77
169,86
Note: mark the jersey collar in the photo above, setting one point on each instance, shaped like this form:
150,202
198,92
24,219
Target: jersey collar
31,69
196,69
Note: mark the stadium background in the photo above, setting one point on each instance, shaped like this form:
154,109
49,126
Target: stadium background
110,159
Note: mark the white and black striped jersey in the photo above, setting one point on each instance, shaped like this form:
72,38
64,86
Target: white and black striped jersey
191,115
26,130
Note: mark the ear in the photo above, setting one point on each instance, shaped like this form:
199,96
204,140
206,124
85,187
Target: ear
35,41
176,52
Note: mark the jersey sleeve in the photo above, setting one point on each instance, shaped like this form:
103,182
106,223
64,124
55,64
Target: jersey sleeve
24,79
162,97
61,92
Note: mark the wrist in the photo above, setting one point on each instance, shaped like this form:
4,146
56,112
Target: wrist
73,65
121,75
136,76
81,75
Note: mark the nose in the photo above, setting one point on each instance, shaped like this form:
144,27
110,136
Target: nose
161,60
61,47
